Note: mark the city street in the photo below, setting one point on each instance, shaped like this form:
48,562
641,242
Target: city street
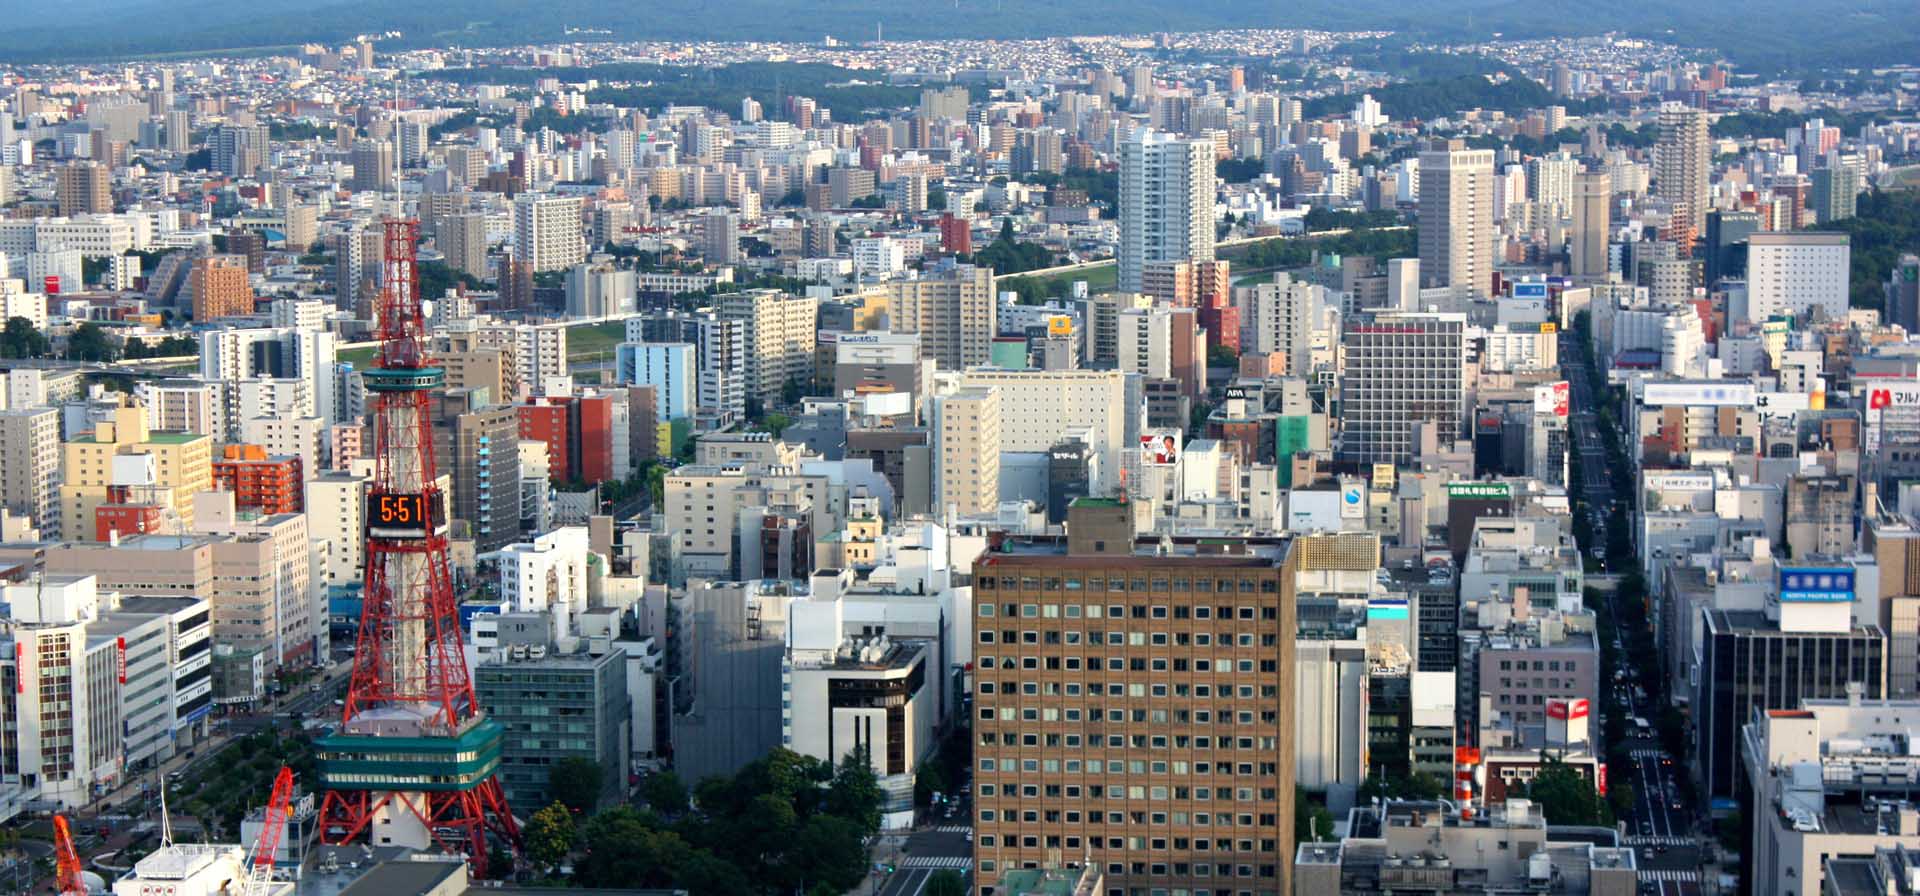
1661,826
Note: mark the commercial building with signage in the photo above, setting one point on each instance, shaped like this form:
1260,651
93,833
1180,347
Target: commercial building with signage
1753,662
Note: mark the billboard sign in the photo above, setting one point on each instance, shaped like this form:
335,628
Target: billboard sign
1552,398
1781,404
120,660
1159,448
1816,584
1568,709
1352,501
51,285
1059,325
1498,490
1677,481
1724,395
1531,289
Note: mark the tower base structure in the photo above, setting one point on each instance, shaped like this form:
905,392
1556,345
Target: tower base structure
398,781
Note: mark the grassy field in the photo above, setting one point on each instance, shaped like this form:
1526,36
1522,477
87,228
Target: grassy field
360,358
585,342
589,340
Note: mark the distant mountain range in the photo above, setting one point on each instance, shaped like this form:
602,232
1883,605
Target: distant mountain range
1768,34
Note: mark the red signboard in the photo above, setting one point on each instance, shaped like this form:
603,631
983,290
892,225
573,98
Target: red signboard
120,645
52,285
1567,709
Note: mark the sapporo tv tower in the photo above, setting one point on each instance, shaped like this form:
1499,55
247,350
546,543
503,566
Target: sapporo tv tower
414,762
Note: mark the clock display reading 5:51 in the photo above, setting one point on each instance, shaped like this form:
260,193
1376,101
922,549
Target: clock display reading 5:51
397,511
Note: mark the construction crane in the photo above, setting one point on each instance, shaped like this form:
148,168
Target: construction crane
260,867
66,860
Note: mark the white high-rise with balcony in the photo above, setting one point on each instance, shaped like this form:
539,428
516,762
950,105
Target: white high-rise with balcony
1166,202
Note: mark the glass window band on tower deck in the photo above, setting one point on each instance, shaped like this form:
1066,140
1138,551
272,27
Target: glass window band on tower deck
350,762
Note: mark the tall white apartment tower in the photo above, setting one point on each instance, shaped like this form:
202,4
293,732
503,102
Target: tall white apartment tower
1166,202
1682,169
547,233
1456,221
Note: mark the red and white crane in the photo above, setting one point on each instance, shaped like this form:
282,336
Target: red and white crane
66,861
260,866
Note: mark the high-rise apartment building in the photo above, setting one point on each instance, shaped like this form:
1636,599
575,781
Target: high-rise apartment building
1402,369
477,439
1456,221
30,466
967,457
1835,192
220,287
669,367
84,188
778,331
1587,243
720,237
1284,314
953,311
463,240
1797,273
1134,707
1683,169
546,232
373,163
1166,203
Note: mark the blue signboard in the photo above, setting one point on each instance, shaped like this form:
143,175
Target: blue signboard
1532,289
1387,609
1816,584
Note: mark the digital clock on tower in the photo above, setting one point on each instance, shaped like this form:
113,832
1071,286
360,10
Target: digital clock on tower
397,512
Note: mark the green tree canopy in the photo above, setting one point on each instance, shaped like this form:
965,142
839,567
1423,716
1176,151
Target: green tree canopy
550,834
577,782
1566,796
90,343
946,882
21,339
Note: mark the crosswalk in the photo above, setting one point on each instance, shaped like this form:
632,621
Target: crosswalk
959,863
1661,840
953,829
1647,754
1673,876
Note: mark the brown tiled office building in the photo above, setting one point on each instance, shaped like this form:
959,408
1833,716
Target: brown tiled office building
1133,708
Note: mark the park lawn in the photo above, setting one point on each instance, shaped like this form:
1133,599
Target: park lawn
589,340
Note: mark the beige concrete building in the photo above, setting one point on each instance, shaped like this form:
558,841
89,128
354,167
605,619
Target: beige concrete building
780,330
30,466
1456,221
705,502
1038,408
264,593
954,313
1832,778
336,508
1166,758
180,466
967,428
463,240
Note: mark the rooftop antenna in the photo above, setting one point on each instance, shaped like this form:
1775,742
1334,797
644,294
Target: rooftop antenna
166,821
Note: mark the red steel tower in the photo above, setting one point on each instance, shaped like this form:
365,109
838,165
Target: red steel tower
414,761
